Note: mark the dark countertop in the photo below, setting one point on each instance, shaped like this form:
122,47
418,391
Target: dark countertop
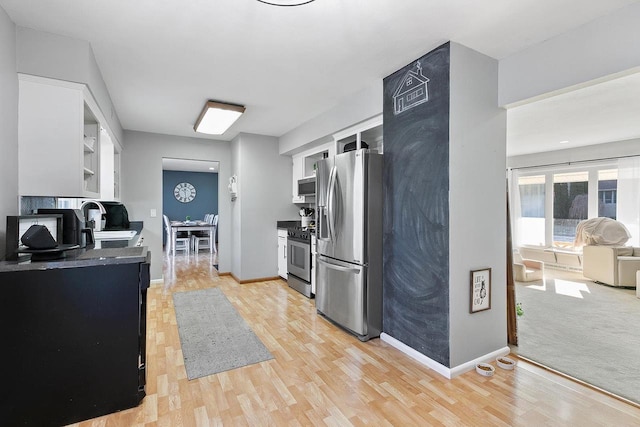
289,223
110,252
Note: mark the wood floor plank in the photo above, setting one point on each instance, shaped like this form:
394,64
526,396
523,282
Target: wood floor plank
322,376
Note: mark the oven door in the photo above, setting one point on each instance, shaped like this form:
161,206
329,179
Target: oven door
299,258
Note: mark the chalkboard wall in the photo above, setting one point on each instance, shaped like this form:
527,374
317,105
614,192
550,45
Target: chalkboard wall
416,209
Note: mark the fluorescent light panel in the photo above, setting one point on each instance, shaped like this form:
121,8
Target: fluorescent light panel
217,117
286,2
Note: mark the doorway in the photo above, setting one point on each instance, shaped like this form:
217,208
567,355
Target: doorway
548,140
189,192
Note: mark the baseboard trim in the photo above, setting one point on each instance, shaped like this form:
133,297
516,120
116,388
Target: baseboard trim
445,371
487,358
157,282
259,279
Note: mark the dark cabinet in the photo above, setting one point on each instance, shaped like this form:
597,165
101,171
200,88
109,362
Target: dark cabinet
73,342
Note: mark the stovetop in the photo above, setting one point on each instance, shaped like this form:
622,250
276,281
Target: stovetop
303,233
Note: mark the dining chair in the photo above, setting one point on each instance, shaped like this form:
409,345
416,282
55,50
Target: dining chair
205,237
214,233
181,242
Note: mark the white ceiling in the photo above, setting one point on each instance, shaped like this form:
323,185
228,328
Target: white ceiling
161,60
605,112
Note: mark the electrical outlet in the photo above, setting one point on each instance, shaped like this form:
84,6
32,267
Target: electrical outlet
153,213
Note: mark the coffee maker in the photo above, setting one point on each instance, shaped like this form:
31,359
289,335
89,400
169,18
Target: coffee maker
74,229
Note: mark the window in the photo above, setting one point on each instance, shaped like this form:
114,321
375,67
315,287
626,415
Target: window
570,205
531,224
548,202
607,193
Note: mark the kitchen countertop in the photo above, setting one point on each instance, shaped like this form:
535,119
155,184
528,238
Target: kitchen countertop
110,252
289,223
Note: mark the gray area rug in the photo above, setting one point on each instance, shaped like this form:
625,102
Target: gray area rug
586,330
214,337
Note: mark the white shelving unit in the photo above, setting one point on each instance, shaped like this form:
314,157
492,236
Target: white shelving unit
369,131
91,142
60,136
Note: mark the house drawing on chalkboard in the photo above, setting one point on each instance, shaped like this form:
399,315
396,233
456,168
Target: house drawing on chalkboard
411,91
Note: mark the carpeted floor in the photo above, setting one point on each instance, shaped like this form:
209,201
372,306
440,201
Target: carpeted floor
214,337
586,330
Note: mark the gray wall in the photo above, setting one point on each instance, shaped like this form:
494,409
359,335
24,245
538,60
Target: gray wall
264,197
477,203
142,185
8,125
361,106
236,210
65,58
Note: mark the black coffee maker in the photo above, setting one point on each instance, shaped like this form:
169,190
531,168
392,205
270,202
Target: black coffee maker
74,228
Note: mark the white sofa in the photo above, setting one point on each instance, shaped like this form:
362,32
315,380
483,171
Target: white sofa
611,265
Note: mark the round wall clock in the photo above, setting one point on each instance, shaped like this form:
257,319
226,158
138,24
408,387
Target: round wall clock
184,192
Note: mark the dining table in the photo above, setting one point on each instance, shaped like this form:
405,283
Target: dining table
190,226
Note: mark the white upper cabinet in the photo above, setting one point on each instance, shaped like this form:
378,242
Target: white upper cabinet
304,167
60,133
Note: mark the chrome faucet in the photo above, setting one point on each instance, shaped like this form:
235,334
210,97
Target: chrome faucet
85,211
95,202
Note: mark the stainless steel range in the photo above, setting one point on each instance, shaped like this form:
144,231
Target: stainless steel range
299,259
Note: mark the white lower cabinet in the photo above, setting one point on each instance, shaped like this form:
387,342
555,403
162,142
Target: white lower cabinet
282,253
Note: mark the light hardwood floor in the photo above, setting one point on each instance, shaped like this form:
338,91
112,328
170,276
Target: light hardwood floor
322,376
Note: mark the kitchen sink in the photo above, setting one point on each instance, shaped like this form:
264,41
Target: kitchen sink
114,235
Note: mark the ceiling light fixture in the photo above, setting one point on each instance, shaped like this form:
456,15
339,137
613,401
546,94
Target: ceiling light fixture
285,2
217,117
564,142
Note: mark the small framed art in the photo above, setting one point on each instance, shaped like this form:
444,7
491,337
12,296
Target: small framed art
480,290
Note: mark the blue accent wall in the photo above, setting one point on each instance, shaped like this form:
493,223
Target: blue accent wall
416,208
206,201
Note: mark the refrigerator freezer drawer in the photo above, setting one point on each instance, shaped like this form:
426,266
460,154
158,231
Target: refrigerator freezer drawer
340,294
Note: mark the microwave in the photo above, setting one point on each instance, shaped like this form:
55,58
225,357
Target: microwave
307,186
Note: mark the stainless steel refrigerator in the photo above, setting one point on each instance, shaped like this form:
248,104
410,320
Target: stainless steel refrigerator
349,241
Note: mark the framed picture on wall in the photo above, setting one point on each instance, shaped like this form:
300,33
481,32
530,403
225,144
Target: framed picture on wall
480,290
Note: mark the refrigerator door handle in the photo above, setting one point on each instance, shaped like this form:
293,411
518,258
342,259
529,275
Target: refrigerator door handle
331,203
338,267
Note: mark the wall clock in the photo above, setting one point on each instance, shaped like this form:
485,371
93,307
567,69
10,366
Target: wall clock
184,192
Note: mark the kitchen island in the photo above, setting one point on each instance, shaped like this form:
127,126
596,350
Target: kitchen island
74,335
